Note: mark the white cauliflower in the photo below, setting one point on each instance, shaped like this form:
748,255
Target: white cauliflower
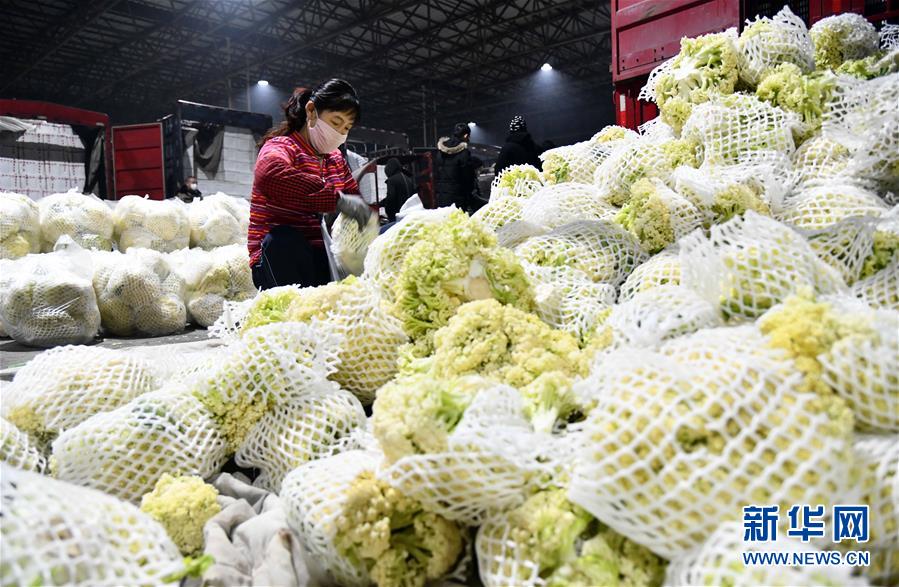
20,227
212,278
85,218
349,245
161,225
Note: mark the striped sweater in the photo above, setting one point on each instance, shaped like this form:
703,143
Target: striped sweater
292,186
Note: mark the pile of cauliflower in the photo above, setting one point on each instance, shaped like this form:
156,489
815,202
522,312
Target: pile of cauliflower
584,383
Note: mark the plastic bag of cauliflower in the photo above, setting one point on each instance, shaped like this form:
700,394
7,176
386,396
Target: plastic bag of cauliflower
138,293
47,300
217,221
151,224
85,218
20,227
212,278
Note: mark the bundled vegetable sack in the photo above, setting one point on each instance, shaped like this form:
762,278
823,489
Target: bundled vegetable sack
216,221
212,278
767,42
84,537
20,227
349,245
85,218
139,293
160,225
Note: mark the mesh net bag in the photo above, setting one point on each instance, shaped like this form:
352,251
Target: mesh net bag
730,128
313,497
660,313
567,300
889,37
18,450
49,300
304,429
385,255
657,215
161,225
64,386
767,42
55,533
656,129
722,192
556,205
881,290
680,441
20,227
349,245
519,181
719,561
878,457
573,163
633,160
215,221
500,211
818,160
86,219
213,278
845,246
602,251
139,293
125,451
751,263
823,206
843,37
661,268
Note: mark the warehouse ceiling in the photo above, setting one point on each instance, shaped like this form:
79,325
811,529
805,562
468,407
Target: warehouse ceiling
134,58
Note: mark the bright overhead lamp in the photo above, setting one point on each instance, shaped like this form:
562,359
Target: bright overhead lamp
546,67
472,124
262,82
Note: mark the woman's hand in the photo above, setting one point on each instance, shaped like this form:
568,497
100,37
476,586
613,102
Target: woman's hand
355,208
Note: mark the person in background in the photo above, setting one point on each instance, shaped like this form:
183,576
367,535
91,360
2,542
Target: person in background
399,187
189,191
300,175
519,149
454,170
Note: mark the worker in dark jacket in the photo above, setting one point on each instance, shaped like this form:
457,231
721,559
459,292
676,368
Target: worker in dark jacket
399,188
188,192
519,149
453,169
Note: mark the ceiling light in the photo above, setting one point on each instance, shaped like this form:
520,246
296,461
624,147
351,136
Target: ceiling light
546,67
262,82
472,124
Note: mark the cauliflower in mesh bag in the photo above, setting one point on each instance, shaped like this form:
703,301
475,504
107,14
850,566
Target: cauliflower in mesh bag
307,428
549,541
846,246
818,160
680,440
720,193
752,263
56,533
350,245
364,531
556,205
573,163
48,300
216,221
886,244
500,211
18,450
20,227
660,269
139,293
182,505
85,218
160,225
879,458
520,181
124,452
842,37
602,252
823,206
804,94
64,386
880,290
566,299
874,65
213,278
719,561
657,215
767,42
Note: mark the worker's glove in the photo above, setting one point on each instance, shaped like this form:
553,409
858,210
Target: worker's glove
354,207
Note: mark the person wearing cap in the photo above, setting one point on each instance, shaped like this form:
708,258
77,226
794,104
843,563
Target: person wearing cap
519,148
454,169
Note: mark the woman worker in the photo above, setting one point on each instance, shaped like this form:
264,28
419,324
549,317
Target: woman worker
299,175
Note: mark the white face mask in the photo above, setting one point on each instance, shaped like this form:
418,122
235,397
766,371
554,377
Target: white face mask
192,186
324,137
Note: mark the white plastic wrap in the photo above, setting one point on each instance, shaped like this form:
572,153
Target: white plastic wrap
567,300
350,245
217,220
212,278
161,225
85,218
20,227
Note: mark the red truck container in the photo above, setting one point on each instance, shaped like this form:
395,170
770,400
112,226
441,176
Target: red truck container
139,167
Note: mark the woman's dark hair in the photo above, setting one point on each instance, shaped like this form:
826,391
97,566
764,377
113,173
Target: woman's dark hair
334,94
460,130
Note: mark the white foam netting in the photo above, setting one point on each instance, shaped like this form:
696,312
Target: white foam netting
20,226
573,163
878,456
49,299
857,39
566,299
630,161
660,313
85,218
889,37
55,533
161,225
62,387
520,181
213,278
656,129
217,220
822,206
125,451
845,246
556,205
350,245
880,290
707,186
500,211
602,252
139,293
767,42
18,450
661,218
300,430
313,496
734,127
661,268
494,458
679,441
750,263
819,160
719,561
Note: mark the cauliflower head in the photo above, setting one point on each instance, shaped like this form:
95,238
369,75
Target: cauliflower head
767,42
885,248
20,227
876,65
182,505
642,158
517,181
843,37
162,226
657,215
805,94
